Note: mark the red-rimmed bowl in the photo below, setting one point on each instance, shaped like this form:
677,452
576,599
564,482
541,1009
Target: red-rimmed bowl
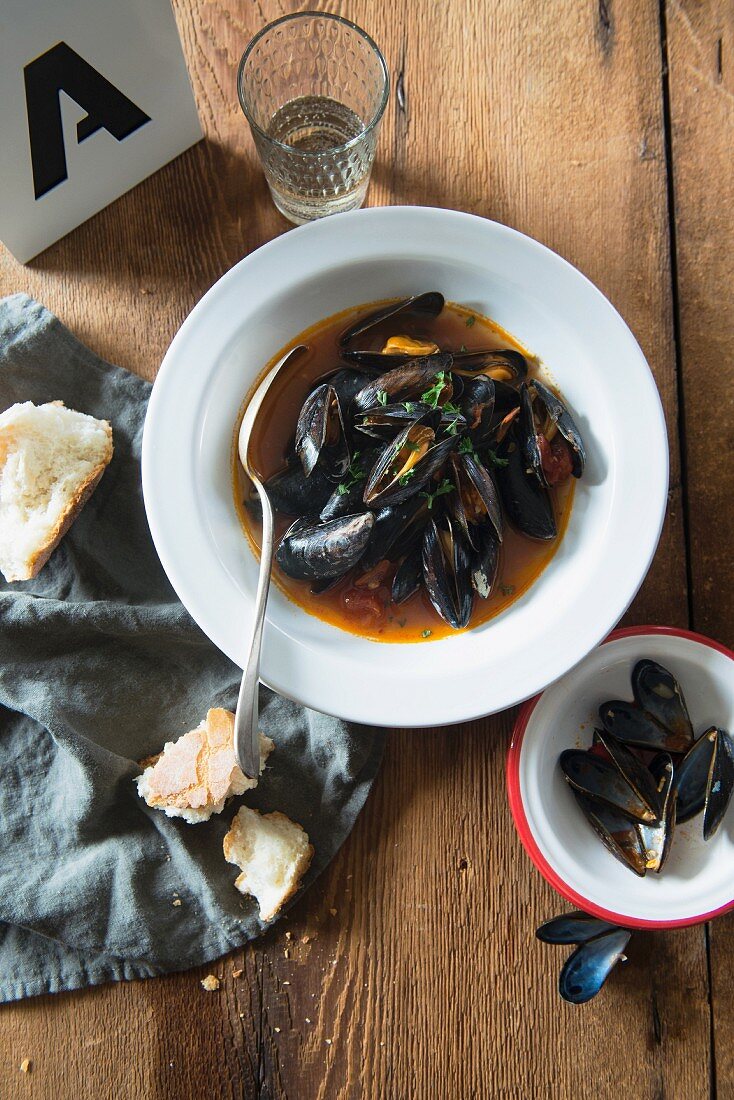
697,882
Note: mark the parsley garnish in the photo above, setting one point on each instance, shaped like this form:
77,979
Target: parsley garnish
410,446
454,426
446,486
463,348
431,396
382,397
426,633
470,321
466,447
353,476
409,406
405,478
507,589
450,408
495,459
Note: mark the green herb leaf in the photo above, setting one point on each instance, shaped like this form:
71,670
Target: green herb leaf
470,321
342,489
495,459
446,486
466,447
449,407
409,406
507,589
463,348
382,397
426,633
431,396
405,478
453,427
352,477
410,446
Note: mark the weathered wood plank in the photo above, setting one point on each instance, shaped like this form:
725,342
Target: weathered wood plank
701,61
426,980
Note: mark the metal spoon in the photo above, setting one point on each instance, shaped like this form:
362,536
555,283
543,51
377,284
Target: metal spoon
246,736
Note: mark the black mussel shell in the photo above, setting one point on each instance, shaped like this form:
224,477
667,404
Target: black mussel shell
426,305
721,784
486,492
657,837
477,406
385,421
485,560
408,577
632,725
506,364
346,499
603,781
386,484
633,771
561,417
297,495
405,383
576,927
589,966
397,528
658,693
692,776
446,573
347,384
315,551
617,832
527,503
319,418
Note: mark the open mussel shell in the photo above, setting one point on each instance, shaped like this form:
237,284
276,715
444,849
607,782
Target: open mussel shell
659,694
635,727
405,383
446,572
505,365
384,421
320,433
484,561
657,837
705,780
589,966
346,498
604,781
317,551
475,500
527,502
576,927
408,577
347,383
422,305
616,830
558,416
407,463
633,771
297,495
477,404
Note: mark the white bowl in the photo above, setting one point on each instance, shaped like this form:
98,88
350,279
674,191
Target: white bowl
349,259
697,882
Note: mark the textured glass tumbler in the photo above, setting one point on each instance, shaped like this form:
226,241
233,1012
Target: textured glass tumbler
314,87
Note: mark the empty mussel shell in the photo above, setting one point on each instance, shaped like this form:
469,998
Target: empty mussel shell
589,966
446,572
315,551
721,784
526,500
425,305
659,694
616,830
602,781
633,771
635,727
576,927
657,837
705,780
320,433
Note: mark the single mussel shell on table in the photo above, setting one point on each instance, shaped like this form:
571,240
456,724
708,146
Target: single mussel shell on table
659,694
631,724
657,837
408,462
551,442
429,304
408,577
616,830
589,966
604,781
446,572
705,780
316,551
321,434
503,365
295,494
406,383
346,498
576,927
526,500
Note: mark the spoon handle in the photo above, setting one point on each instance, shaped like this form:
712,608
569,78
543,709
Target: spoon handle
246,735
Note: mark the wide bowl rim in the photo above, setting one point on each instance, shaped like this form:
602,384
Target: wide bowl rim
522,825
374,231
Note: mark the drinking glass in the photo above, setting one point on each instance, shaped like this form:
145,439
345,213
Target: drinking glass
313,87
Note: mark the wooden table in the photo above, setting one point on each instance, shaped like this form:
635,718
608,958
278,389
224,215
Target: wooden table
603,128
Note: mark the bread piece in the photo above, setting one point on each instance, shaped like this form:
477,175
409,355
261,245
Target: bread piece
51,460
273,854
193,777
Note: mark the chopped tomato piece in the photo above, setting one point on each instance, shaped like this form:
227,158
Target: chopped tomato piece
367,607
555,458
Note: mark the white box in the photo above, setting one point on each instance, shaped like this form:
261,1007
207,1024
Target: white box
94,97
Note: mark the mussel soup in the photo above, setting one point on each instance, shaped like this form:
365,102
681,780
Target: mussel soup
420,469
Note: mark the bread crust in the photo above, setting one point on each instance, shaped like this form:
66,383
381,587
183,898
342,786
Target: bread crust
67,518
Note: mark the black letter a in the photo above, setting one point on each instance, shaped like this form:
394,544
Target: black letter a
62,69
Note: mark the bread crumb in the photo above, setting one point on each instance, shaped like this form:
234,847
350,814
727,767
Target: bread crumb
333,912
177,901
286,954
286,983
277,1029
210,983
25,1065
242,1015
237,973
328,1042
289,935
307,1020
305,939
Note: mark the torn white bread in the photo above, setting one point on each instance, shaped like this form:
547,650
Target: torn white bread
193,777
51,460
273,854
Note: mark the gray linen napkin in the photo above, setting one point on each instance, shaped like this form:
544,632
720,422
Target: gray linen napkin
99,665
